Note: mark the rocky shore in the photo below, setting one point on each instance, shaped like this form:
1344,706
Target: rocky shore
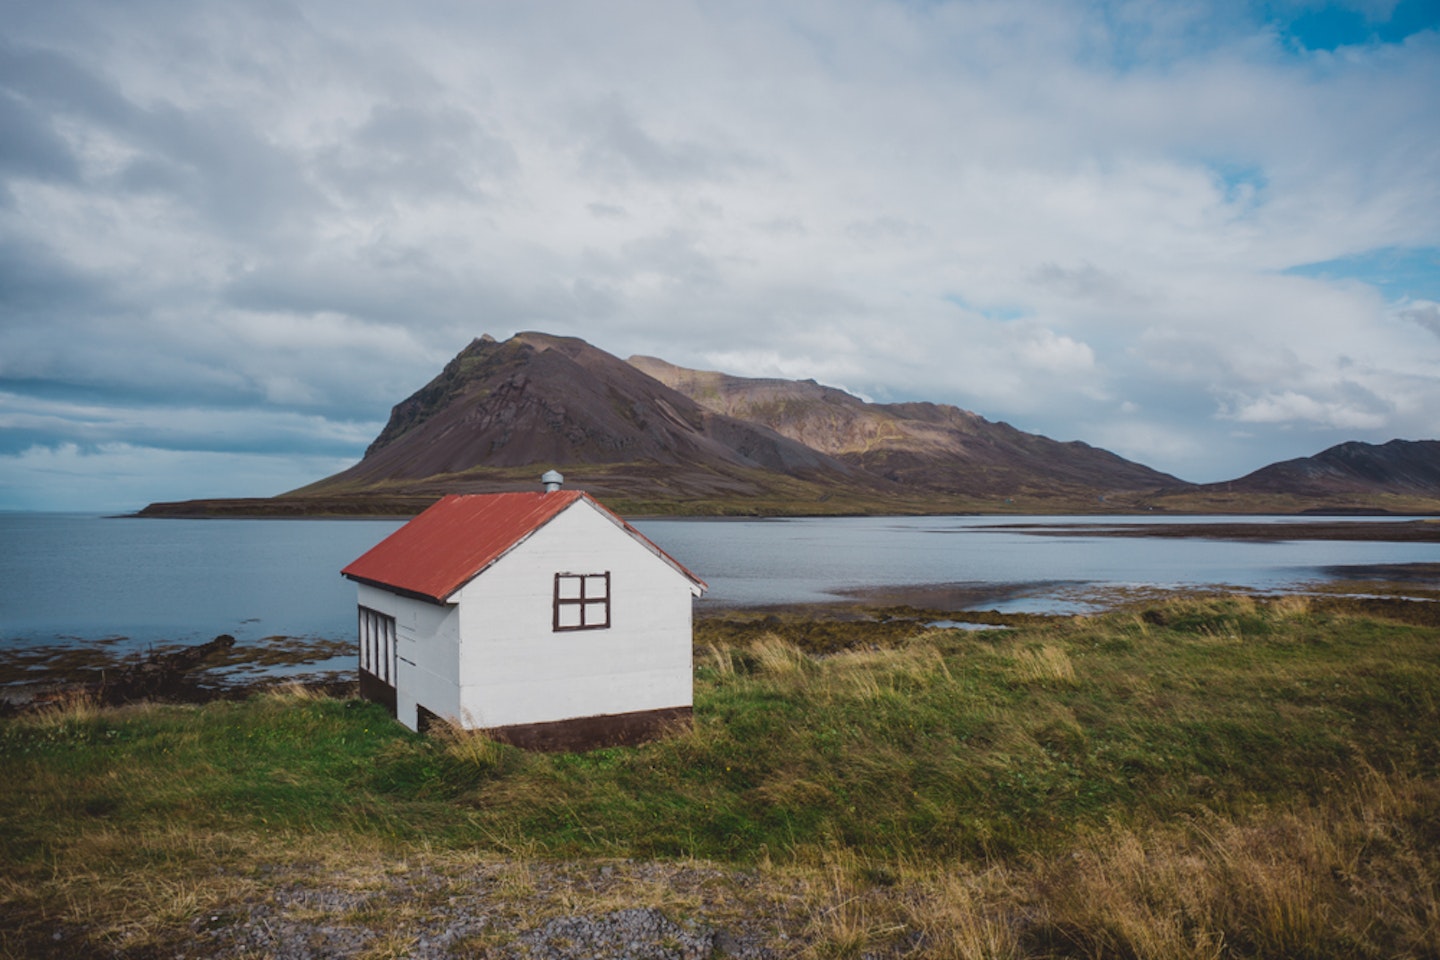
34,676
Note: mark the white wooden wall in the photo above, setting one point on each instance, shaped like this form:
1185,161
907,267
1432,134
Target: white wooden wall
427,653
513,666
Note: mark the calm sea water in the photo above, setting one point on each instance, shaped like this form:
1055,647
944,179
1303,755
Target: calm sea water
754,562
80,578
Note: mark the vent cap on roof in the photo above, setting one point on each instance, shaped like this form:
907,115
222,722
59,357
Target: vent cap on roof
552,480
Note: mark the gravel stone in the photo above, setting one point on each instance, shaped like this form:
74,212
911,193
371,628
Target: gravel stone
642,934
432,915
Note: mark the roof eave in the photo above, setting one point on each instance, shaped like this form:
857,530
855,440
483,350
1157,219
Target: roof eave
398,591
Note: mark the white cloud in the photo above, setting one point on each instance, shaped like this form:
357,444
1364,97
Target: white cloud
94,424
1046,351
1131,435
1289,407
305,210
119,477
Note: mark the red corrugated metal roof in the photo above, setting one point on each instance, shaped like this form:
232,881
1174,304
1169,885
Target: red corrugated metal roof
443,548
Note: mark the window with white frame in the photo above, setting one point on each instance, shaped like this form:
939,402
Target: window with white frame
582,601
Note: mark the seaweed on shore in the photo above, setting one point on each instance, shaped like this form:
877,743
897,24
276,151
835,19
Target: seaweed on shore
222,668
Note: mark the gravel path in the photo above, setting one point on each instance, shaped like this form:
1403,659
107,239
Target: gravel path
535,911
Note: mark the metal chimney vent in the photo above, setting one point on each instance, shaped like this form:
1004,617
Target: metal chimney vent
552,480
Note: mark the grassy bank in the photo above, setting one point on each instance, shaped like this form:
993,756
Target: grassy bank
1203,777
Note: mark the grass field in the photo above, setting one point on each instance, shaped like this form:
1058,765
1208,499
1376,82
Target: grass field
1198,777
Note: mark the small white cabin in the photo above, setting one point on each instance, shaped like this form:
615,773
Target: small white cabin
542,618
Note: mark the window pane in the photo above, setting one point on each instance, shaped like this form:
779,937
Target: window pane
568,615
595,614
595,588
377,643
567,587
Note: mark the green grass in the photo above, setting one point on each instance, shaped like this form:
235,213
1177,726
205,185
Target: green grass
923,748
946,743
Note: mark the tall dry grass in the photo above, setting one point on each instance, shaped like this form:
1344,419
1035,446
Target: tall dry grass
1046,665
779,658
68,708
1356,874
867,673
471,749
1292,606
720,660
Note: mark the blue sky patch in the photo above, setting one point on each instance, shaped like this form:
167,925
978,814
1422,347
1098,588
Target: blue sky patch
1240,179
1334,25
1398,272
1001,312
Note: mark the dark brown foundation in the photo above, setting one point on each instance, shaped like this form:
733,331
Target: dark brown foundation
590,733
373,688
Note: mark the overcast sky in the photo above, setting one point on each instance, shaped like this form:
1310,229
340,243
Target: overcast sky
1203,235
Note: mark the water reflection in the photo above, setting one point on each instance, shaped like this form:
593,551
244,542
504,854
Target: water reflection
989,562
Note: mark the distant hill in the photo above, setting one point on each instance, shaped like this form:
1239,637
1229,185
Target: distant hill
1400,467
651,437
500,413
557,400
919,445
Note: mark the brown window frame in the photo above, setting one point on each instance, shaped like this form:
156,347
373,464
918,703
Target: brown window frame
586,604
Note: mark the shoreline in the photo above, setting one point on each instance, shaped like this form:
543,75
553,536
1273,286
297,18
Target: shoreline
1121,505
45,674
1404,528
1379,531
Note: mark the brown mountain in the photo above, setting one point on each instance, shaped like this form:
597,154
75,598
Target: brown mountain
500,413
917,445
650,434
653,437
1400,468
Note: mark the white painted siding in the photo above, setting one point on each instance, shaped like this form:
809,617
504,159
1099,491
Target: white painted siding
515,668
427,655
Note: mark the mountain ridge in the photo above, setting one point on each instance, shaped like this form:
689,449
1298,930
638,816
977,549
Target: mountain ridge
558,401
653,437
1400,467
928,445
